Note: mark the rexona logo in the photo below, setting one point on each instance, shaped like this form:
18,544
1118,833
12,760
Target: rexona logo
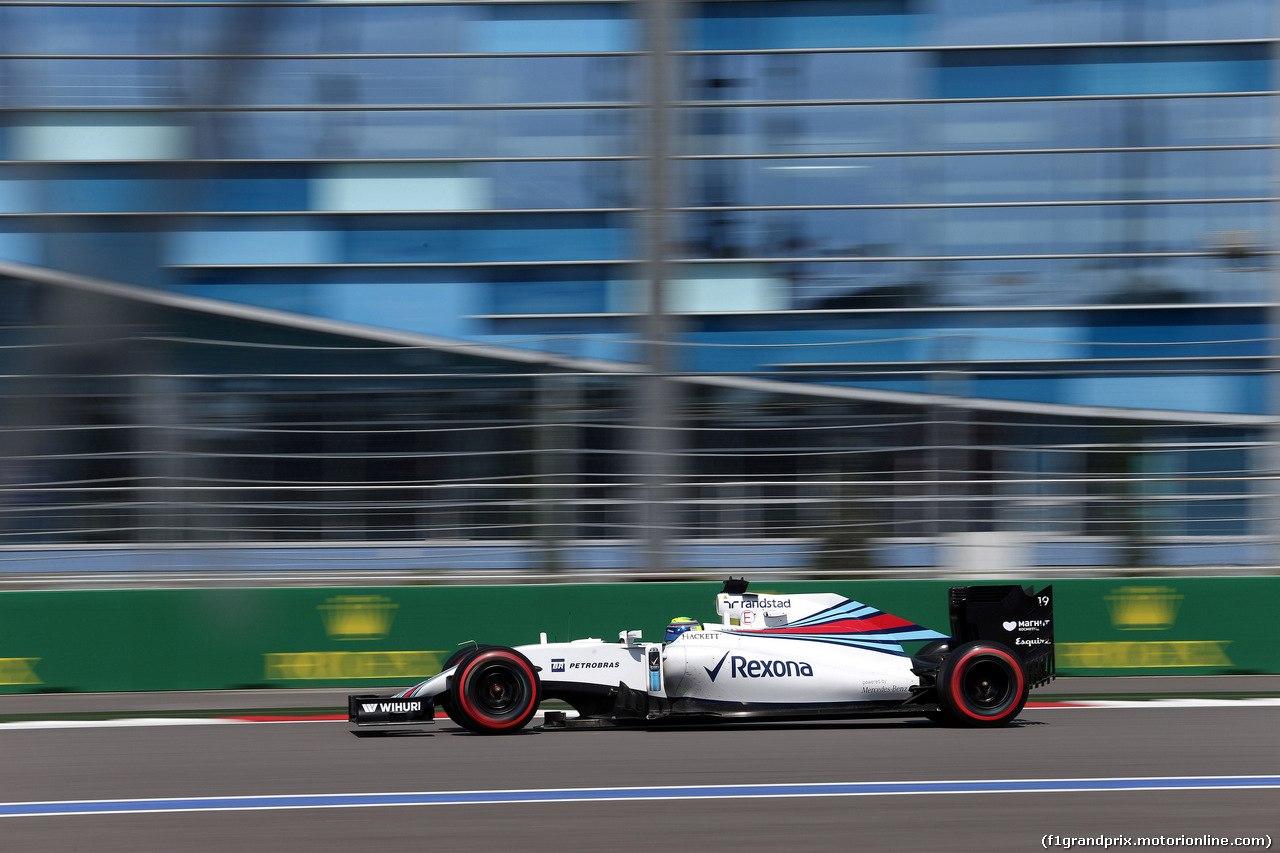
391,707
740,667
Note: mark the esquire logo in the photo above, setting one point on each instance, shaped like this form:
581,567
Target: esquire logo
740,667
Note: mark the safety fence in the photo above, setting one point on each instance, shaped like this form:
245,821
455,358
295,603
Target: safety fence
201,448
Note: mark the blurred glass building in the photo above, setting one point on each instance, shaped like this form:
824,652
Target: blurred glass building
799,285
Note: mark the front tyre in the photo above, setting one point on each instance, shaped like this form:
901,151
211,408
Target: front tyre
982,684
442,701
495,691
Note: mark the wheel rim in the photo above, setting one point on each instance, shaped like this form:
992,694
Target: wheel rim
987,686
498,692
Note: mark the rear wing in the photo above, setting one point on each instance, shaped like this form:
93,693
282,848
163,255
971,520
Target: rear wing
1011,615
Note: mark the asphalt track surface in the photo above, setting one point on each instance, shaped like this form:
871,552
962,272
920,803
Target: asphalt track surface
309,758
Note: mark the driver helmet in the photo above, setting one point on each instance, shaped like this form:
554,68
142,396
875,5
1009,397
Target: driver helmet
679,625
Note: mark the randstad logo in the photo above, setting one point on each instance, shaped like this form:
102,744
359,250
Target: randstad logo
358,617
1144,608
760,604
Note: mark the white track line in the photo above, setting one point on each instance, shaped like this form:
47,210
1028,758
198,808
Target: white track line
1081,705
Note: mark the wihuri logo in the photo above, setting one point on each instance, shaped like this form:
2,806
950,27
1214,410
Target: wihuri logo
392,707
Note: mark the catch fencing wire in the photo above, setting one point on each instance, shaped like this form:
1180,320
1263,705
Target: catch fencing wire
463,462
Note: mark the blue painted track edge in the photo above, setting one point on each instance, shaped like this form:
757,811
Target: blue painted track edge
666,792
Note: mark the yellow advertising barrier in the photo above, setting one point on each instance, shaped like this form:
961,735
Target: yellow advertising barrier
189,639
326,666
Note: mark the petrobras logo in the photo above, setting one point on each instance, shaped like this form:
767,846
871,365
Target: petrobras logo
557,664
593,664
391,707
760,604
741,667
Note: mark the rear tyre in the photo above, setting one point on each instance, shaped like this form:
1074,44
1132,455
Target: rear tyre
981,684
494,691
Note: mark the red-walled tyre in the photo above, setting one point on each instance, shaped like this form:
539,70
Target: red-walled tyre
494,691
442,701
982,684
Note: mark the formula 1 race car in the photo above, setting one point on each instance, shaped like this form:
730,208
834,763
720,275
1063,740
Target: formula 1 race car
792,657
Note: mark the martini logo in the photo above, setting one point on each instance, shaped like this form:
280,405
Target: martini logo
1144,608
358,617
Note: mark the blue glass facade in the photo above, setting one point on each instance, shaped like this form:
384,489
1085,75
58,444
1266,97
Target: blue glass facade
1067,204
843,154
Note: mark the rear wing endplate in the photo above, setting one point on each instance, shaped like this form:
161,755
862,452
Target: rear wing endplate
1010,615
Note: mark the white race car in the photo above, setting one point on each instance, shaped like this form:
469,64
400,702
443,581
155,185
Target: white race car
803,656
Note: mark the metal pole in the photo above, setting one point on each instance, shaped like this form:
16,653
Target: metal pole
1270,521
657,437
